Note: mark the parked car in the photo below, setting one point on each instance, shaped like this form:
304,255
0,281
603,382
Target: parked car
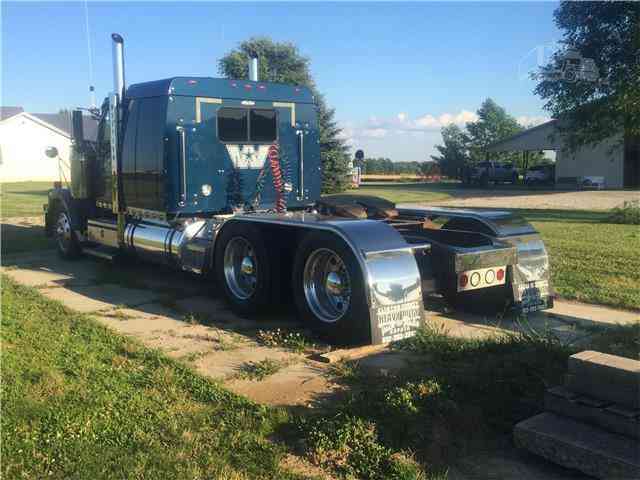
540,175
485,172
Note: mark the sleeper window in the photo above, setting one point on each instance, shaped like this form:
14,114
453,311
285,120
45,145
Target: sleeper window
232,125
263,125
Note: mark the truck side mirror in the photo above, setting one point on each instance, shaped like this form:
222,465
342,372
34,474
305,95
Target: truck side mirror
51,152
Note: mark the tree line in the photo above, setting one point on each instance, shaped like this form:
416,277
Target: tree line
386,166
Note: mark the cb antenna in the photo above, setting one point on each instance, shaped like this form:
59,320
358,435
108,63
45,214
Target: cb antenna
92,95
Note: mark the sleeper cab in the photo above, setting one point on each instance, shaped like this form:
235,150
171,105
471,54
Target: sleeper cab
200,145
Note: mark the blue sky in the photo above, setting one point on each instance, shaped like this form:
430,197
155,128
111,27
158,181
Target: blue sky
395,72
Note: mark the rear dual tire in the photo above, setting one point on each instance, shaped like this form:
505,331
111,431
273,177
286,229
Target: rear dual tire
327,282
329,291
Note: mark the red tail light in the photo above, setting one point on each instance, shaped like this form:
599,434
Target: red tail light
464,280
500,274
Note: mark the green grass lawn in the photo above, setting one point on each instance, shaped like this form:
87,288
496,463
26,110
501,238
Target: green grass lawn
592,261
407,192
23,199
79,401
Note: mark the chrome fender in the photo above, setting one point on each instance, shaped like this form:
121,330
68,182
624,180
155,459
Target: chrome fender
389,268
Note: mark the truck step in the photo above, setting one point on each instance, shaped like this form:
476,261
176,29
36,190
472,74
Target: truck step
109,254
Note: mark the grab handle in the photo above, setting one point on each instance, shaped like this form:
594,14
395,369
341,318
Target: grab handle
182,149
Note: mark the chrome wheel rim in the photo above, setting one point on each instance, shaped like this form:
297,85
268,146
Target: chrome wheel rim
240,268
327,285
63,231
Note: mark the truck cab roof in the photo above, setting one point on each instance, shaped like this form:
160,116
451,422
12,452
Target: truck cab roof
221,88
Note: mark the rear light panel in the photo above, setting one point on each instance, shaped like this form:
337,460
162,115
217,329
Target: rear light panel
481,278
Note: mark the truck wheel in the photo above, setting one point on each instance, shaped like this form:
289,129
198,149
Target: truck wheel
328,290
244,268
66,240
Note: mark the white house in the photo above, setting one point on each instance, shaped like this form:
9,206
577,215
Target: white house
617,158
24,137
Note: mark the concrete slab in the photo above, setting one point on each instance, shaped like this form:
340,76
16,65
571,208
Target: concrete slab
99,297
226,364
50,271
580,446
300,384
590,315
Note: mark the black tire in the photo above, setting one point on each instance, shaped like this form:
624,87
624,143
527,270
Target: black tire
484,180
266,284
353,326
66,240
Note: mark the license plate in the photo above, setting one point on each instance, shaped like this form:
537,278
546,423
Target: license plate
533,296
531,292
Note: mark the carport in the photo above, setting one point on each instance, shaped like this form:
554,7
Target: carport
616,159
541,137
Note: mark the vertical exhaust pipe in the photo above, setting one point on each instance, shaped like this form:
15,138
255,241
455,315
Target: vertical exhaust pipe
118,65
253,69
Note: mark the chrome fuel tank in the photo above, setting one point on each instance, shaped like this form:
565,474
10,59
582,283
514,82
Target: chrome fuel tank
186,246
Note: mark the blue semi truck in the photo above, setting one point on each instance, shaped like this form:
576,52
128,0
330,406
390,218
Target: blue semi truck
222,177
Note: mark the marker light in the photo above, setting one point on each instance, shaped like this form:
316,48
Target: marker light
206,190
475,279
464,280
490,276
500,274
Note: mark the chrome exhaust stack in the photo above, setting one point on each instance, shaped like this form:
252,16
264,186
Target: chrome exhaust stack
253,69
118,65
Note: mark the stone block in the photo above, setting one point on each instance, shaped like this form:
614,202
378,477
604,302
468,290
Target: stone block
605,377
563,402
580,446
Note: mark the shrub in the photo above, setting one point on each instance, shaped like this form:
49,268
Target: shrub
628,213
350,445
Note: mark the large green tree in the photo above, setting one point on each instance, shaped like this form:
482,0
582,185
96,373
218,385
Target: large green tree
609,34
453,153
493,124
282,63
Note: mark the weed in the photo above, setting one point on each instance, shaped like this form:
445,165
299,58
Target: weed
220,342
292,340
627,214
260,370
193,356
350,445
